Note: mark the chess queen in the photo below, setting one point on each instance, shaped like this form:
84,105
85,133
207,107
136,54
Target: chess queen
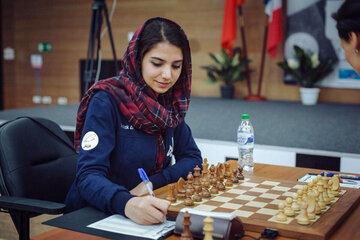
136,120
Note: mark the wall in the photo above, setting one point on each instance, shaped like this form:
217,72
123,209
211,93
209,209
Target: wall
66,24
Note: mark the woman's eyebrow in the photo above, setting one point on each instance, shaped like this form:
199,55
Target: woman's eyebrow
160,59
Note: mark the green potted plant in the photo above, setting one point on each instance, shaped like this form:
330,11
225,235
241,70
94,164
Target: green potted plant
228,69
306,69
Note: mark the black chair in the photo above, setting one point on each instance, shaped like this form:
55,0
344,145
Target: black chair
37,168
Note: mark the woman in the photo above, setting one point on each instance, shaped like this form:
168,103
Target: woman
136,120
348,25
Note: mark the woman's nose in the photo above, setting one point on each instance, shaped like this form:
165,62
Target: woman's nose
166,73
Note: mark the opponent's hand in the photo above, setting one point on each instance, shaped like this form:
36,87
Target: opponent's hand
140,189
146,210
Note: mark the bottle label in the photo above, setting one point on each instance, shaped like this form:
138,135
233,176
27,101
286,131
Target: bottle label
246,140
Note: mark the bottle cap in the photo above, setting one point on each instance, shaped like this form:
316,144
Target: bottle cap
245,116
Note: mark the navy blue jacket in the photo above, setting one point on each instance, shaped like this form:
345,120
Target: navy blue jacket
107,172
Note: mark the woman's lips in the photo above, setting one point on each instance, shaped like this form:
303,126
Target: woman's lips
163,84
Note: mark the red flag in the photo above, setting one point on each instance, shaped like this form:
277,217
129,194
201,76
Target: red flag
275,35
229,25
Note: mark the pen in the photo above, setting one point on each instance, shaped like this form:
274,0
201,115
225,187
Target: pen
146,181
345,176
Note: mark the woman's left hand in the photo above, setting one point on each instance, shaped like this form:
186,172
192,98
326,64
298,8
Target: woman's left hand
140,189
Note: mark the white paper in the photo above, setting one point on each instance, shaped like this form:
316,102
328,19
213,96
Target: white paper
120,224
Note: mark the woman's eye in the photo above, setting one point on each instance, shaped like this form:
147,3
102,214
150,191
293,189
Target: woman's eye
176,66
156,64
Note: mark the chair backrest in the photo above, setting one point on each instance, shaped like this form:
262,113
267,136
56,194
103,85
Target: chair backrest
37,160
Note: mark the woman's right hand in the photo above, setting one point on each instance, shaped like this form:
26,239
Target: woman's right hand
147,210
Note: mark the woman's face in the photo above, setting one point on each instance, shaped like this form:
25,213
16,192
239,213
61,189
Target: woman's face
350,48
161,66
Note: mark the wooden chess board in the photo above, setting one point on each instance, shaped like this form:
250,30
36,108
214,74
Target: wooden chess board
255,201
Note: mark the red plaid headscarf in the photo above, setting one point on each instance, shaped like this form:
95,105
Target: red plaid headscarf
138,102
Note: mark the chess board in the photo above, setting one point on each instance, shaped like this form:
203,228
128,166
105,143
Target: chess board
255,201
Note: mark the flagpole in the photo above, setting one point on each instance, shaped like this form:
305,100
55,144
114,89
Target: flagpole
262,64
242,31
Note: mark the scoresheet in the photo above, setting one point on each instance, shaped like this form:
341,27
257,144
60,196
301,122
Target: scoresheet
120,224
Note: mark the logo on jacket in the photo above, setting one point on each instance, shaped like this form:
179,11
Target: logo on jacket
89,141
171,149
127,127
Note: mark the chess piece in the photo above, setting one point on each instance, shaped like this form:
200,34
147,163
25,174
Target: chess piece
303,218
321,199
288,211
317,206
228,182
188,201
186,234
311,205
325,190
221,166
220,181
212,172
205,167
240,176
197,197
295,206
189,184
227,170
335,185
281,217
205,189
305,192
234,178
171,194
197,176
299,198
310,187
208,228
330,192
181,189
214,189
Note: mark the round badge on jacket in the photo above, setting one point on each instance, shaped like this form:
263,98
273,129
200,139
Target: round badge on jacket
90,141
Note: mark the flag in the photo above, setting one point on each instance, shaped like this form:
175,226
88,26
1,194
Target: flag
229,24
275,35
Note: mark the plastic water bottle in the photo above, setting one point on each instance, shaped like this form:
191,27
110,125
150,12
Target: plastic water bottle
245,139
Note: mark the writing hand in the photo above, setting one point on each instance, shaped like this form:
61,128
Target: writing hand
146,210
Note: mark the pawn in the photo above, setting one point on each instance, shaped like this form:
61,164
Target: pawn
289,212
303,218
197,197
205,190
227,169
171,194
281,217
228,182
208,228
214,189
295,206
305,192
299,198
186,234
188,201
234,176
240,176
